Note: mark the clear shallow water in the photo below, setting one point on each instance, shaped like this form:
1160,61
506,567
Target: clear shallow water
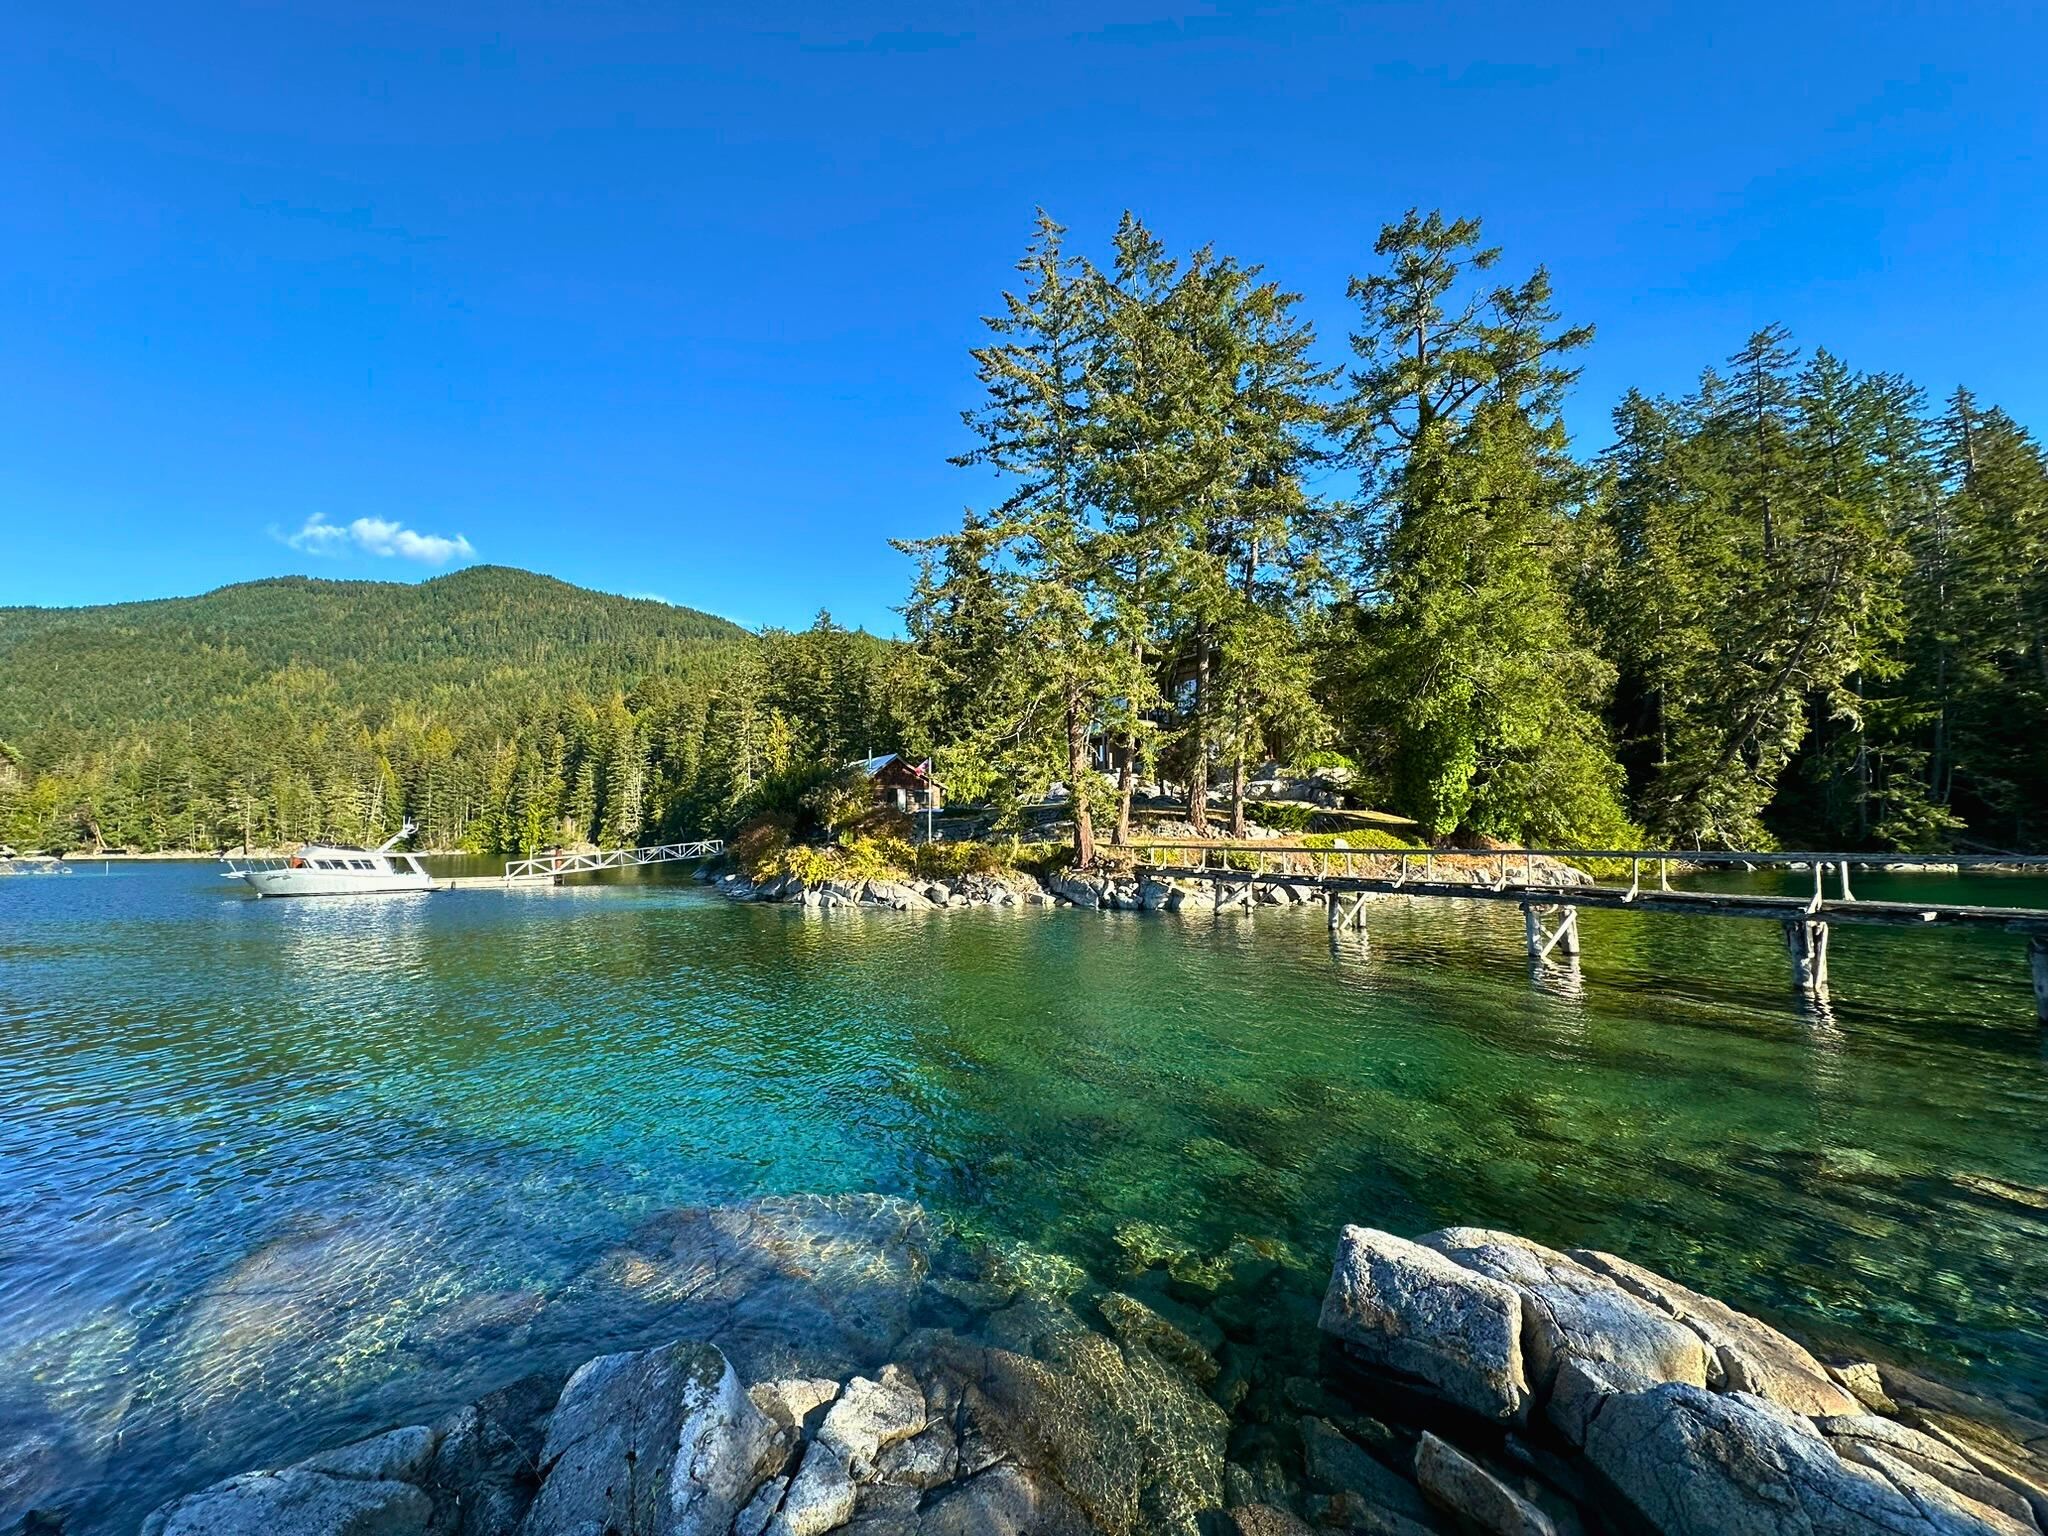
439,1102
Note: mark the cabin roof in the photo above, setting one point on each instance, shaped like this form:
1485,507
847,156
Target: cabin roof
870,767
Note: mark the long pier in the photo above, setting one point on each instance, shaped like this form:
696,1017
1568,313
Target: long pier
1349,878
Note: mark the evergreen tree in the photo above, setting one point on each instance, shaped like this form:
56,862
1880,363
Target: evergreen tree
1485,702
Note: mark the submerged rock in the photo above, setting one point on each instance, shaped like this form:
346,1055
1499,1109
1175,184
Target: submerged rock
1130,1441
293,1306
1262,1520
1005,1500
790,1286
305,1503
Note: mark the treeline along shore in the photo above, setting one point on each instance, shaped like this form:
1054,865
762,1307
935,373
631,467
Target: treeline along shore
1801,603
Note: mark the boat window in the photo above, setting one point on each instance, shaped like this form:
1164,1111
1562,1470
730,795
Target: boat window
323,863
358,863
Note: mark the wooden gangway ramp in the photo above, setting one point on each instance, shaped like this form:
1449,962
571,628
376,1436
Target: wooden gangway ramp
553,868
1528,877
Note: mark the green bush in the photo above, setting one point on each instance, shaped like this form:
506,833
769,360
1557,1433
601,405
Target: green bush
1361,839
948,861
760,843
1282,817
764,849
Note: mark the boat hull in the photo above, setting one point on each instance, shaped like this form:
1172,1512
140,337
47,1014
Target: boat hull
325,882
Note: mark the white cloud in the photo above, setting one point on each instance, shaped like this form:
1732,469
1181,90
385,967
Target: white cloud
318,537
379,536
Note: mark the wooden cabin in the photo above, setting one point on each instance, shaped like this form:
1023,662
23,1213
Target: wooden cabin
901,785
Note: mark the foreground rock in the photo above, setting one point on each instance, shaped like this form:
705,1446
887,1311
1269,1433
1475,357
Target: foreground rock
1690,1461
1033,1412
845,1372
1418,1313
1745,1355
663,1442
1692,1418
1571,1313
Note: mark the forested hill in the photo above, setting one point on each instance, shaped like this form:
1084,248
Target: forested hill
498,709
125,665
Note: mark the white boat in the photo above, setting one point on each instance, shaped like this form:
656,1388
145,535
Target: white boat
12,863
331,869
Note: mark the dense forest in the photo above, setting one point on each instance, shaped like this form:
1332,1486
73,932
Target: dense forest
499,710
1800,604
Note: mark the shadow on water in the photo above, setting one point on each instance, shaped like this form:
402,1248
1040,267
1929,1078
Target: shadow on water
275,1173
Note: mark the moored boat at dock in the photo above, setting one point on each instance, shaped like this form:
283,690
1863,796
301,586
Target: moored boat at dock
333,869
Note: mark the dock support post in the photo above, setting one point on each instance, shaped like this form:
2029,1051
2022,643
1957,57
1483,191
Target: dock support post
1238,895
1347,911
1806,940
1543,937
2037,958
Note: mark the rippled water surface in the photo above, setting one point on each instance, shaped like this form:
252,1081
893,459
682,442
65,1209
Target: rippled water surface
435,1103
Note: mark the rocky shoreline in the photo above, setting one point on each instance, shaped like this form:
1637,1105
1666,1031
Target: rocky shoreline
835,1366
1107,891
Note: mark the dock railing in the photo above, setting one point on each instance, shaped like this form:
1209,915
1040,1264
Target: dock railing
554,865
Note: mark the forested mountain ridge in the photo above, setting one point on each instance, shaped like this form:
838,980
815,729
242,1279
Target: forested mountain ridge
126,664
498,709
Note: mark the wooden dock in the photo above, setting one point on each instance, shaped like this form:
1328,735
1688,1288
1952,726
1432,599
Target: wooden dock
497,883
1350,878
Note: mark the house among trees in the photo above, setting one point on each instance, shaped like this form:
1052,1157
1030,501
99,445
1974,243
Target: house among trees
901,785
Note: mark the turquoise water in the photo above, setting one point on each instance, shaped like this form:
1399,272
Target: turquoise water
459,1098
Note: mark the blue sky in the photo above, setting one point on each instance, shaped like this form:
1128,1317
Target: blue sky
677,300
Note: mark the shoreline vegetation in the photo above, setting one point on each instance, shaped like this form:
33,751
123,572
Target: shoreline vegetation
1797,606
836,1364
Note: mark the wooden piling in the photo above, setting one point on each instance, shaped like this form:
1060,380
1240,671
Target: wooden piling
1806,941
1347,910
1543,938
